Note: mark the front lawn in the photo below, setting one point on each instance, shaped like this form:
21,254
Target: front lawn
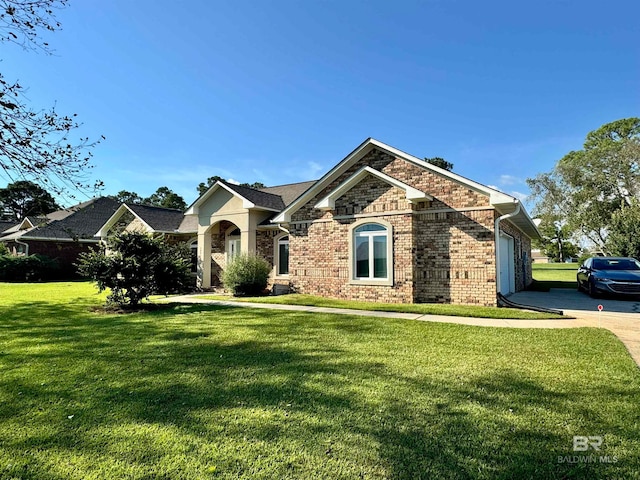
207,392
419,308
554,275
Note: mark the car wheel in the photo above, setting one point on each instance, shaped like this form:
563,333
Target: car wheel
591,289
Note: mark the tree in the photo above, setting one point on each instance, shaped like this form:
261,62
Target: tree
203,187
124,196
134,265
624,239
587,187
165,197
256,185
36,144
440,162
23,198
556,240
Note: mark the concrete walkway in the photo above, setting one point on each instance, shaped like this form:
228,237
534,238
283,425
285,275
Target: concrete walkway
625,326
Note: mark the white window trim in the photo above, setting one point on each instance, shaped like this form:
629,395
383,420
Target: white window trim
276,255
353,280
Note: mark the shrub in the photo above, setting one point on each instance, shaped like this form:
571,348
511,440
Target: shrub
28,268
247,274
134,265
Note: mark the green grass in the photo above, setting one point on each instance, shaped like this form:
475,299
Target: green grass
554,275
420,308
207,392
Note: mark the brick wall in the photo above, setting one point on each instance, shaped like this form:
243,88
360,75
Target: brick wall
439,255
66,253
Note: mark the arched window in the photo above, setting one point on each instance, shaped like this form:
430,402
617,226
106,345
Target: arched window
283,256
371,252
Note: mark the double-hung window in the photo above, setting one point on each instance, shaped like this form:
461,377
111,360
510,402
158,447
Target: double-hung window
371,252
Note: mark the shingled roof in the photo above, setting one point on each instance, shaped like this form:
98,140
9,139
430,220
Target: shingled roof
289,192
160,219
259,198
79,222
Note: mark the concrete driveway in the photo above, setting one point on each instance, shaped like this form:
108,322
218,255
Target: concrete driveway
572,300
620,316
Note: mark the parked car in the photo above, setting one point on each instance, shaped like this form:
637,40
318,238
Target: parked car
617,275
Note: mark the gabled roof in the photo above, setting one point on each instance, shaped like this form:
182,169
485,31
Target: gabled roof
79,222
155,219
328,202
502,202
158,218
251,198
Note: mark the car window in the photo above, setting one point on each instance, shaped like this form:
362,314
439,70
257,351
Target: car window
615,264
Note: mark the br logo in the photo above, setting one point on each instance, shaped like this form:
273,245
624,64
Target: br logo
582,444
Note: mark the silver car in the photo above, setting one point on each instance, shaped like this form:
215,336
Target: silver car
616,275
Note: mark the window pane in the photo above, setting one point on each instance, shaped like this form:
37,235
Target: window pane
370,227
283,258
362,257
380,257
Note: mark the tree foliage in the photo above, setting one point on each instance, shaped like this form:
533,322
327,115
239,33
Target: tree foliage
36,144
624,239
556,242
165,197
587,187
134,265
440,162
124,196
23,198
203,187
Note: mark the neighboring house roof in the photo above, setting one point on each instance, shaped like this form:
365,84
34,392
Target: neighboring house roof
502,202
79,222
155,219
4,226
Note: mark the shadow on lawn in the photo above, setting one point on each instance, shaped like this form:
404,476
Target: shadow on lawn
162,368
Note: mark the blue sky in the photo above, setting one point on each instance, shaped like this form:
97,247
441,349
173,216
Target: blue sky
280,91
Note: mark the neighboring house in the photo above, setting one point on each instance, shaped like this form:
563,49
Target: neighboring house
382,225
63,234
538,257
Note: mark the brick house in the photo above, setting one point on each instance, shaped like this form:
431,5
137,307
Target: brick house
61,235
382,225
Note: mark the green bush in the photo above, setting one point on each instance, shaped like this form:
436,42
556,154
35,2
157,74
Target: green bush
135,265
28,268
247,274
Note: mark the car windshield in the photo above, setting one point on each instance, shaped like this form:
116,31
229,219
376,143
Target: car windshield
615,264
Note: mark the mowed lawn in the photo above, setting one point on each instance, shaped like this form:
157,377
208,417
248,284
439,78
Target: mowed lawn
212,392
555,275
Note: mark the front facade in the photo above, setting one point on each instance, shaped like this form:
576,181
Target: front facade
381,226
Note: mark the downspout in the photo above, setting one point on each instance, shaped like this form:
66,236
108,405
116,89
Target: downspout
497,242
283,229
26,247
